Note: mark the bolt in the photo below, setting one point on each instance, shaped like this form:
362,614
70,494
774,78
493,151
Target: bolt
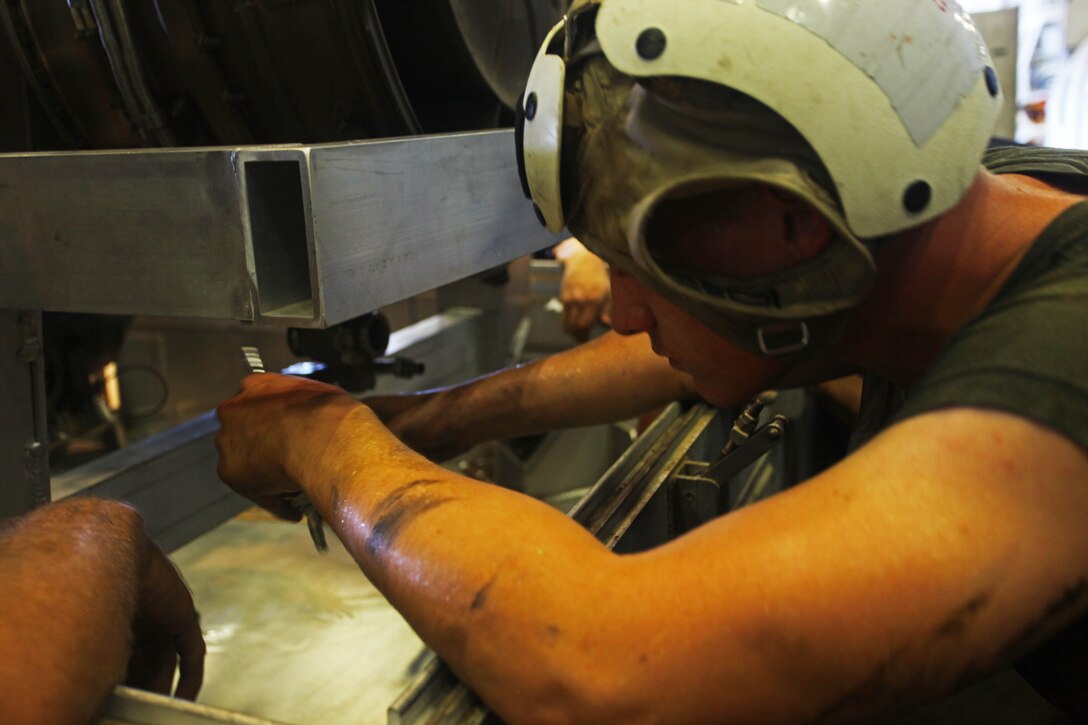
917,196
991,81
530,107
650,44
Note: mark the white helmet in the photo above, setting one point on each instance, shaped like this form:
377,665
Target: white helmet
875,113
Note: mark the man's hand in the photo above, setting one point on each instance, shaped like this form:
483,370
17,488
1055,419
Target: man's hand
584,290
167,631
269,427
86,594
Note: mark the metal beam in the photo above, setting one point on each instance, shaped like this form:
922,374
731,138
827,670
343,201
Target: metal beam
302,235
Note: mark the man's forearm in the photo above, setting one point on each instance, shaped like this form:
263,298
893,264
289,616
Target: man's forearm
403,519
69,573
609,379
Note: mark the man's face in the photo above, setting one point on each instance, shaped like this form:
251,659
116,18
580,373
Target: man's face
739,233
724,373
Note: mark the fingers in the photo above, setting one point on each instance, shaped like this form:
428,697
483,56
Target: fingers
581,312
152,664
167,631
577,321
191,651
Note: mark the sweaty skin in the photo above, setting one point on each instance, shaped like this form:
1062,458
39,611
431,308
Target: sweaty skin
85,592
945,548
610,378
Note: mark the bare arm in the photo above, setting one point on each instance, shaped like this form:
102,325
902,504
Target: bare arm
943,550
608,379
78,578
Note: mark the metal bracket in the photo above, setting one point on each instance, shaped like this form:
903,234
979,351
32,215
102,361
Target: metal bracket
24,448
701,489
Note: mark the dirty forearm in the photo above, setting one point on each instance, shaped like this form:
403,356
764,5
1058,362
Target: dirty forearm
443,551
70,581
609,379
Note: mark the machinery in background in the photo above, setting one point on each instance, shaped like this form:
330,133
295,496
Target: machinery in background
123,74
118,74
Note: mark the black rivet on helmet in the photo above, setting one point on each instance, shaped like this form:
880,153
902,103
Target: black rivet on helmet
519,144
540,216
530,107
991,81
650,44
917,196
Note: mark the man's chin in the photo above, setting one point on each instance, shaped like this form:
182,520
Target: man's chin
719,395
727,393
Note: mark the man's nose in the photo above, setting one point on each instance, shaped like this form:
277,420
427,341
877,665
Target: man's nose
630,313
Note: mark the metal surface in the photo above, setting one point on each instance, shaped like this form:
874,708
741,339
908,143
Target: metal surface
24,441
303,235
437,697
127,706
450,343
291,636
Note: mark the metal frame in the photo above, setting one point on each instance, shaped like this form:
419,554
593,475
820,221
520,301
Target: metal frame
307,236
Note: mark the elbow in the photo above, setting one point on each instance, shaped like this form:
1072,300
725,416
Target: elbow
573,691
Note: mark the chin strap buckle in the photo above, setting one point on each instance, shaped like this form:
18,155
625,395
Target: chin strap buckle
782,338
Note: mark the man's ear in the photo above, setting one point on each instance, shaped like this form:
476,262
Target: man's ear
803,227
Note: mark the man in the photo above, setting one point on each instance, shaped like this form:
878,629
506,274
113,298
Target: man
851,228
86,596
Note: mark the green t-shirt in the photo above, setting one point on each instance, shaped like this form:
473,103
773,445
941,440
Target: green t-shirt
1027,354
